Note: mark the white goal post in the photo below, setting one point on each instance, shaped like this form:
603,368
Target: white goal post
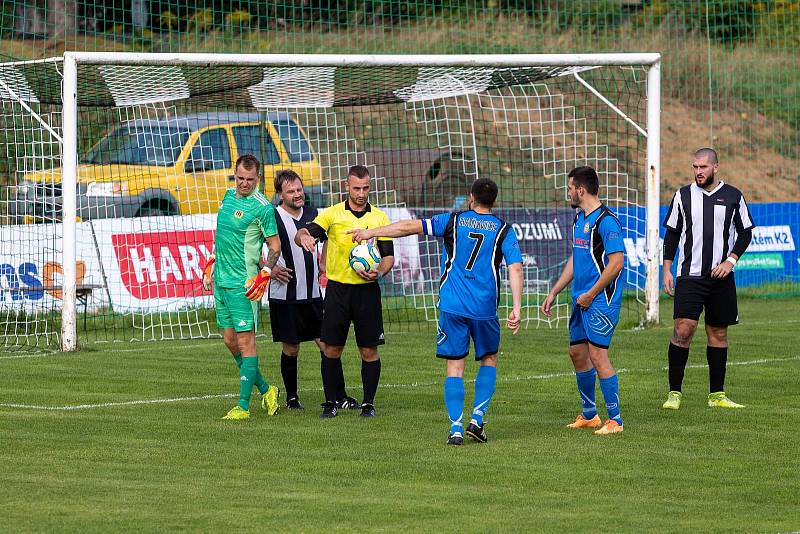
72,61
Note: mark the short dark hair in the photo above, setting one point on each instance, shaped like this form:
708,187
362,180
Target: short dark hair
710,153
484,191
359,171
284,176
586,177
248,161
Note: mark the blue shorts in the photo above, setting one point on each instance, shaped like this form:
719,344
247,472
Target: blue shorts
452,338
594,325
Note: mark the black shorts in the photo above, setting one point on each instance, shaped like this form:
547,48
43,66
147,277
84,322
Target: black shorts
359,303
716,295
295,322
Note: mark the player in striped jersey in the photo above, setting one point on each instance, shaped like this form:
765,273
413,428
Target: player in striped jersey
295,296
709,223
245,221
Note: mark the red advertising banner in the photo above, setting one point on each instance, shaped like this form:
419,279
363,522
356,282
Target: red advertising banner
163,264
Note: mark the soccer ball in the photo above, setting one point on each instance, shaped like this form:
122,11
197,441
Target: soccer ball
364,257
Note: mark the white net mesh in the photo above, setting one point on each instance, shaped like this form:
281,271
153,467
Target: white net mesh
158,143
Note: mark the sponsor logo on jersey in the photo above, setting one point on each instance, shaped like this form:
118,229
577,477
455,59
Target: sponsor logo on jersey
581,243
238,214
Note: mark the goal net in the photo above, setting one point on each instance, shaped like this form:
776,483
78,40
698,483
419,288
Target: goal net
144,145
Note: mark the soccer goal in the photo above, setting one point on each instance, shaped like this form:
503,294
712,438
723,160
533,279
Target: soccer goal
115,164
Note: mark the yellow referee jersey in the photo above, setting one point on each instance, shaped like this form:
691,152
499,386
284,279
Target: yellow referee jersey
336,221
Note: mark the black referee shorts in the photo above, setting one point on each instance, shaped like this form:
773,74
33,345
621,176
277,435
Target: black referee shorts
359,303
716,295
295,322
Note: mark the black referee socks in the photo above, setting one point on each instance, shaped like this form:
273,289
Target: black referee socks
341,391
330,377
678,356
717,361
289,374
370,376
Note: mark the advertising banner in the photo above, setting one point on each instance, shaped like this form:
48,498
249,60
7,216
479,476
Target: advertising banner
155,264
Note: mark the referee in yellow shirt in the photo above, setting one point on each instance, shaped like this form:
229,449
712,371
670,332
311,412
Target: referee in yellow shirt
350,296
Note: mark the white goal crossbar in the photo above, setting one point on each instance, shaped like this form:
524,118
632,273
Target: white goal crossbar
650,61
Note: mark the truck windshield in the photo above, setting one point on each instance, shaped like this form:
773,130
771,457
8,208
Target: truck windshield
139,145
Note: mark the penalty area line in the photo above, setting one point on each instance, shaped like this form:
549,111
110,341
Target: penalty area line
412,385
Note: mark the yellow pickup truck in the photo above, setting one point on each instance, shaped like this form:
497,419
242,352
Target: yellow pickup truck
175,166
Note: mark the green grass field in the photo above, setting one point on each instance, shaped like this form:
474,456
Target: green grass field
128,437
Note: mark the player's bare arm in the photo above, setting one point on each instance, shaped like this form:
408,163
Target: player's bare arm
562,282
742,242
616,261
516,278
398,229
724,269
281,274
274,245
671,239
667,279
305,240
323,259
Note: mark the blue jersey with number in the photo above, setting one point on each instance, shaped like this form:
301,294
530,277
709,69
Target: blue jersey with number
594,237
474,245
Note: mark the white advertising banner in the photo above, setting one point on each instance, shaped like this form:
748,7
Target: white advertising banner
149,264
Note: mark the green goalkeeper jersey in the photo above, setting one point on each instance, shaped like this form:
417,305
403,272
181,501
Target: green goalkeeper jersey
242,225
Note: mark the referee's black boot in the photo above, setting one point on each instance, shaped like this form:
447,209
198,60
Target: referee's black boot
294,404
367,410
348,403
328,410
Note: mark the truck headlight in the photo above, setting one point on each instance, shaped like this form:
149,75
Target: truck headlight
106,189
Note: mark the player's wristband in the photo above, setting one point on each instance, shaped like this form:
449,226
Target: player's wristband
731,259
267,270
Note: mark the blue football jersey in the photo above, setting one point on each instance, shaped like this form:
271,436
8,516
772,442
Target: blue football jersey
594,237
474,246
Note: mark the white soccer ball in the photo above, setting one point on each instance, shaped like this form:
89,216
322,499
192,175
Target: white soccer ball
364,257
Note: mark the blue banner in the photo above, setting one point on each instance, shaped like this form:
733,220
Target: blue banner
544,238
772,256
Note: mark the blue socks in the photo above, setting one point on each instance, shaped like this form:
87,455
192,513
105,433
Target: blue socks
610,388
586,381
454,402
454,397
247,377
484,389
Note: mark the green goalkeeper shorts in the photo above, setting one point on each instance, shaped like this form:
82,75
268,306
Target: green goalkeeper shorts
234,310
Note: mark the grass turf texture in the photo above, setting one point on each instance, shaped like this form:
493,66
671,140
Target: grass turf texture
175,465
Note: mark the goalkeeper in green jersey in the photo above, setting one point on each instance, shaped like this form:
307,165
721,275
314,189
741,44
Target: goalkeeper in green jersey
246,219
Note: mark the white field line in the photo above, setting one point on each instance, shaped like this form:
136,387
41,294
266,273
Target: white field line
53,353
412,385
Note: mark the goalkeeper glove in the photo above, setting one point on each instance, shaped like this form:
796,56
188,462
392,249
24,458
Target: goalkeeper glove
208,273
257,284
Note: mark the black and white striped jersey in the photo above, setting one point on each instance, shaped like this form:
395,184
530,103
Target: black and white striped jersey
304,285
708,223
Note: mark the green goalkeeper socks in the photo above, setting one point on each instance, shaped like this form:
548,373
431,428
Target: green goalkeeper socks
247,377
259,382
